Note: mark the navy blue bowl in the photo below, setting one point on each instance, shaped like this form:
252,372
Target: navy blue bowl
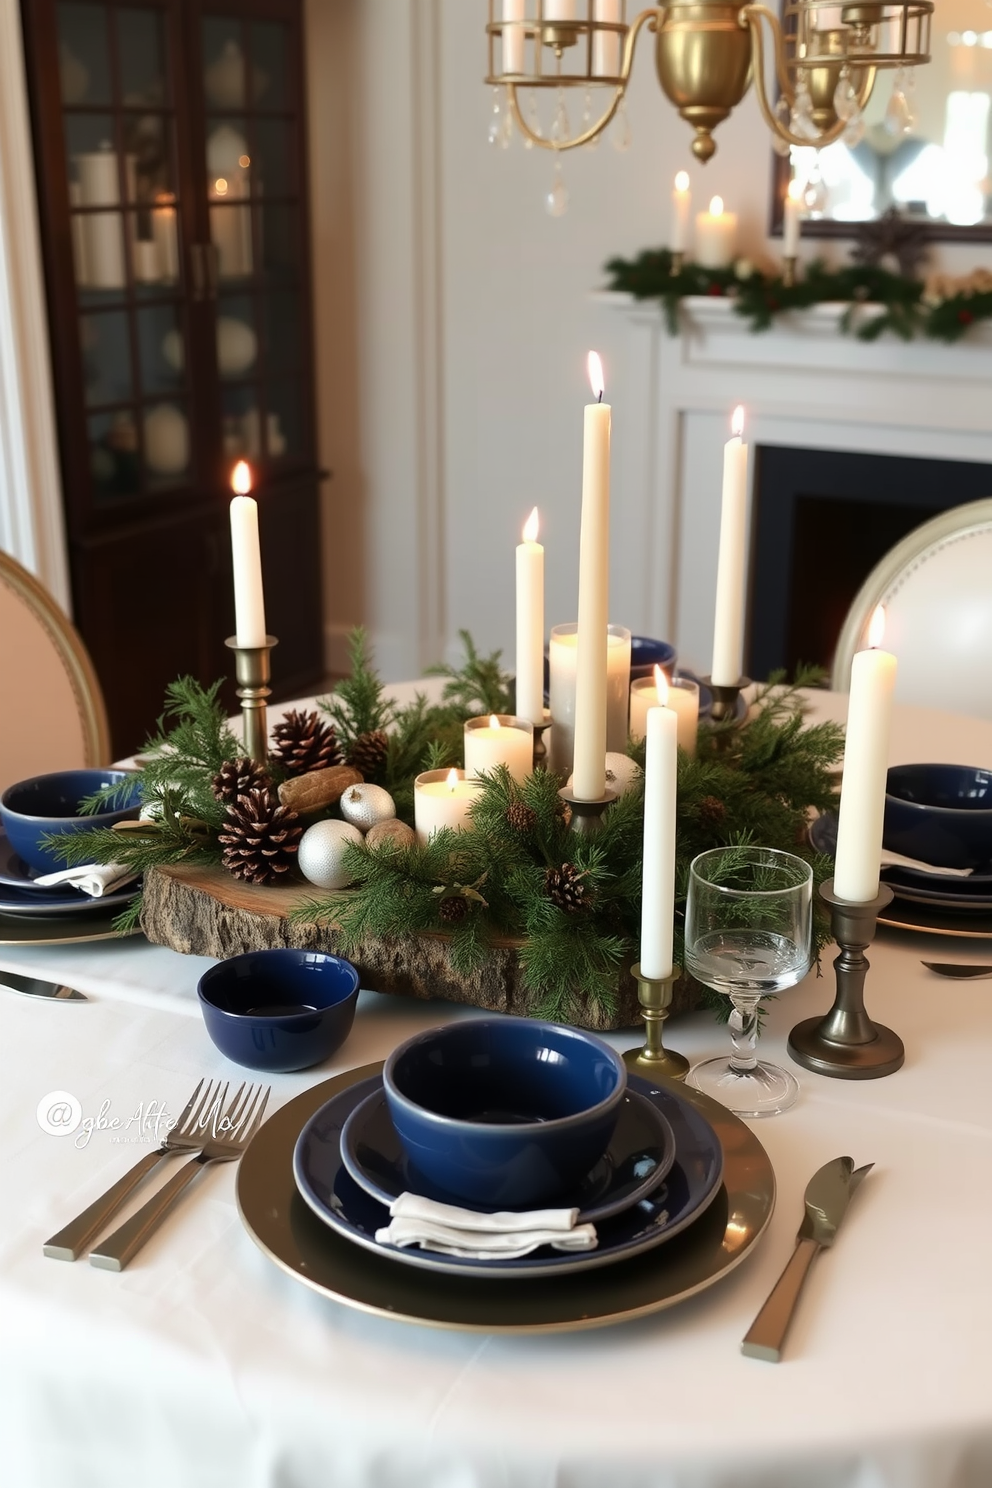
279,1010
50,803
504,1111
941,814
646,654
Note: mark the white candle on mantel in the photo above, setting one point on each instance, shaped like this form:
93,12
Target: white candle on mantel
866,763
589,768
658,876
681,207
442,799
728,621
530,624
715,234
499,740
792,219
249,599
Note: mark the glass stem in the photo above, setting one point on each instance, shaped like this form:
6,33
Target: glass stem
744,1033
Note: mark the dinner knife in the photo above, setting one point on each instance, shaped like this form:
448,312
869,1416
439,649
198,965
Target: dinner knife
36,987
827,1196
963,971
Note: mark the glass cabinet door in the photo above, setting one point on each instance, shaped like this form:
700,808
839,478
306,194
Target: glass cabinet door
116,76
254,204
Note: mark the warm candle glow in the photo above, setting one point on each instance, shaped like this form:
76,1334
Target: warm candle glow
452,779
241,478
796,190
596,375
661,686
682,181
493,721
531,527
737,422
876,630
220,186
716,206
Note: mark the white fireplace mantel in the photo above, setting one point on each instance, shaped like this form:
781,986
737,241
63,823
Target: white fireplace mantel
804,383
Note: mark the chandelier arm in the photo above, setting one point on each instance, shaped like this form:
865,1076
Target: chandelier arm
750,15
648,18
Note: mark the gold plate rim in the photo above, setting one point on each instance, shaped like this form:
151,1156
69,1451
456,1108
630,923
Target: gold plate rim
958,932
281,1225
61,929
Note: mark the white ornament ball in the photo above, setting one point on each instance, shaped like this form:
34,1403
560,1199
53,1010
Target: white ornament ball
367,805
622,773
321,851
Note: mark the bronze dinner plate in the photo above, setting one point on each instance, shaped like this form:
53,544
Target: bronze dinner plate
287,1231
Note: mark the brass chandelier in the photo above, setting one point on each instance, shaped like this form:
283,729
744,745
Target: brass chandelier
826,57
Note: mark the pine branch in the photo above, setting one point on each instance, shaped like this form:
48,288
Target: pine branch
479,685
357,705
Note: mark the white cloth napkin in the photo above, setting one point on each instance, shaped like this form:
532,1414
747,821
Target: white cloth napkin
487,1237
896,860
95,879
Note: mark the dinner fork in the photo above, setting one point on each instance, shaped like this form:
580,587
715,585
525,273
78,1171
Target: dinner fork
241,1120
189,1133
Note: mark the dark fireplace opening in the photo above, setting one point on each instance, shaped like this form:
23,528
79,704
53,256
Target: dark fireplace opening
821,520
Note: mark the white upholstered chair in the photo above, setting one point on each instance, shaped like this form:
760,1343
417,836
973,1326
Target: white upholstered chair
52,716
936,586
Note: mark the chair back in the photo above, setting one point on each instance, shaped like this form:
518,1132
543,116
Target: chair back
936,586
52,709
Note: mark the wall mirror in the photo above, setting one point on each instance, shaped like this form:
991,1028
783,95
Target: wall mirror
925,147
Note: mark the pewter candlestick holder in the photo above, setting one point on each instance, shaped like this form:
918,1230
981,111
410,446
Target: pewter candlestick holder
655,996
725,698
789,272
587,816
846,1044
540,748
252,671
678,263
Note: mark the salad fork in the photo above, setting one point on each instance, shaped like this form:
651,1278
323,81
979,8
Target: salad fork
239,1124
189,1133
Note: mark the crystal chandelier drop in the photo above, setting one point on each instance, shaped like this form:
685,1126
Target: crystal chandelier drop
825,56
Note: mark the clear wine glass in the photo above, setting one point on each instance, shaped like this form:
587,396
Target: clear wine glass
748,932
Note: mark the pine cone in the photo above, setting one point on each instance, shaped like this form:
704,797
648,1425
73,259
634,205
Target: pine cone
304,742
368,753
712,812
453,909
259,837
237,777
520,817
565,888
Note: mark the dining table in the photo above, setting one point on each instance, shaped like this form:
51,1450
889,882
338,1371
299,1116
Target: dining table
203,1364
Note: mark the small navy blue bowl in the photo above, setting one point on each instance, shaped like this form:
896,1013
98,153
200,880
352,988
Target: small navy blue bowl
279,1010
504,1112
50,803
941,814
646,654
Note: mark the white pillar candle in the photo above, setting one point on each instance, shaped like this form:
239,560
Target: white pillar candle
513,36
441,798
728,622
681,207
166,236
560,10
530,624
866,763
249,599
658,875
500,739
562,665
715,234
791,221
594,583
683,701
606,45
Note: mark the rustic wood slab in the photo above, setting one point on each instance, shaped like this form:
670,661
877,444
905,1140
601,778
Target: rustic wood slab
205,912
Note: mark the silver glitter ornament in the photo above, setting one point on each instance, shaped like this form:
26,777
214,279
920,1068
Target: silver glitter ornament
367,805
622,773
321,853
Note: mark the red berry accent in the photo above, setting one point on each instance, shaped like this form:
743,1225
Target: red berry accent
715,289
965,317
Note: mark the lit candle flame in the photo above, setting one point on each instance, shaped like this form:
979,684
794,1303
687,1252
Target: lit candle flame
737,422
716,206
452,780
241,478
531,526
682,181
876,629
596,375
796,190
493,721
661,686
220,186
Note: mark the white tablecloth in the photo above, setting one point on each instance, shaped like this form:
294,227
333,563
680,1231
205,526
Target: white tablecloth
203,1365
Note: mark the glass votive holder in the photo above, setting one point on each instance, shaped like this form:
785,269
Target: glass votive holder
499,739
441,798
682,698
562,658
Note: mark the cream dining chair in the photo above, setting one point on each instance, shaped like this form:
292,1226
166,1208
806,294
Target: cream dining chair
53,715
936,586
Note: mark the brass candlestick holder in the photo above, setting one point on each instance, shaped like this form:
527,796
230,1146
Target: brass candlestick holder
725,698
846,1044
540,748
789,275
587,816
252,671
655,996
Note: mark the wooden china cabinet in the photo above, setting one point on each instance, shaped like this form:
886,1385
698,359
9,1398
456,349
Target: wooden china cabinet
171,167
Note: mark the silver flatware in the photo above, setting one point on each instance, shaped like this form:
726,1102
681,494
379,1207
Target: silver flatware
962,970
240,1123
36,987
192,1129
827,1196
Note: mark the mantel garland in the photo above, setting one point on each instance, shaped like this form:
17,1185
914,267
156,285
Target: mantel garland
573,903
878,300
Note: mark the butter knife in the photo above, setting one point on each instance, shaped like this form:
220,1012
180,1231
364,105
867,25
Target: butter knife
827,1196
36,987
